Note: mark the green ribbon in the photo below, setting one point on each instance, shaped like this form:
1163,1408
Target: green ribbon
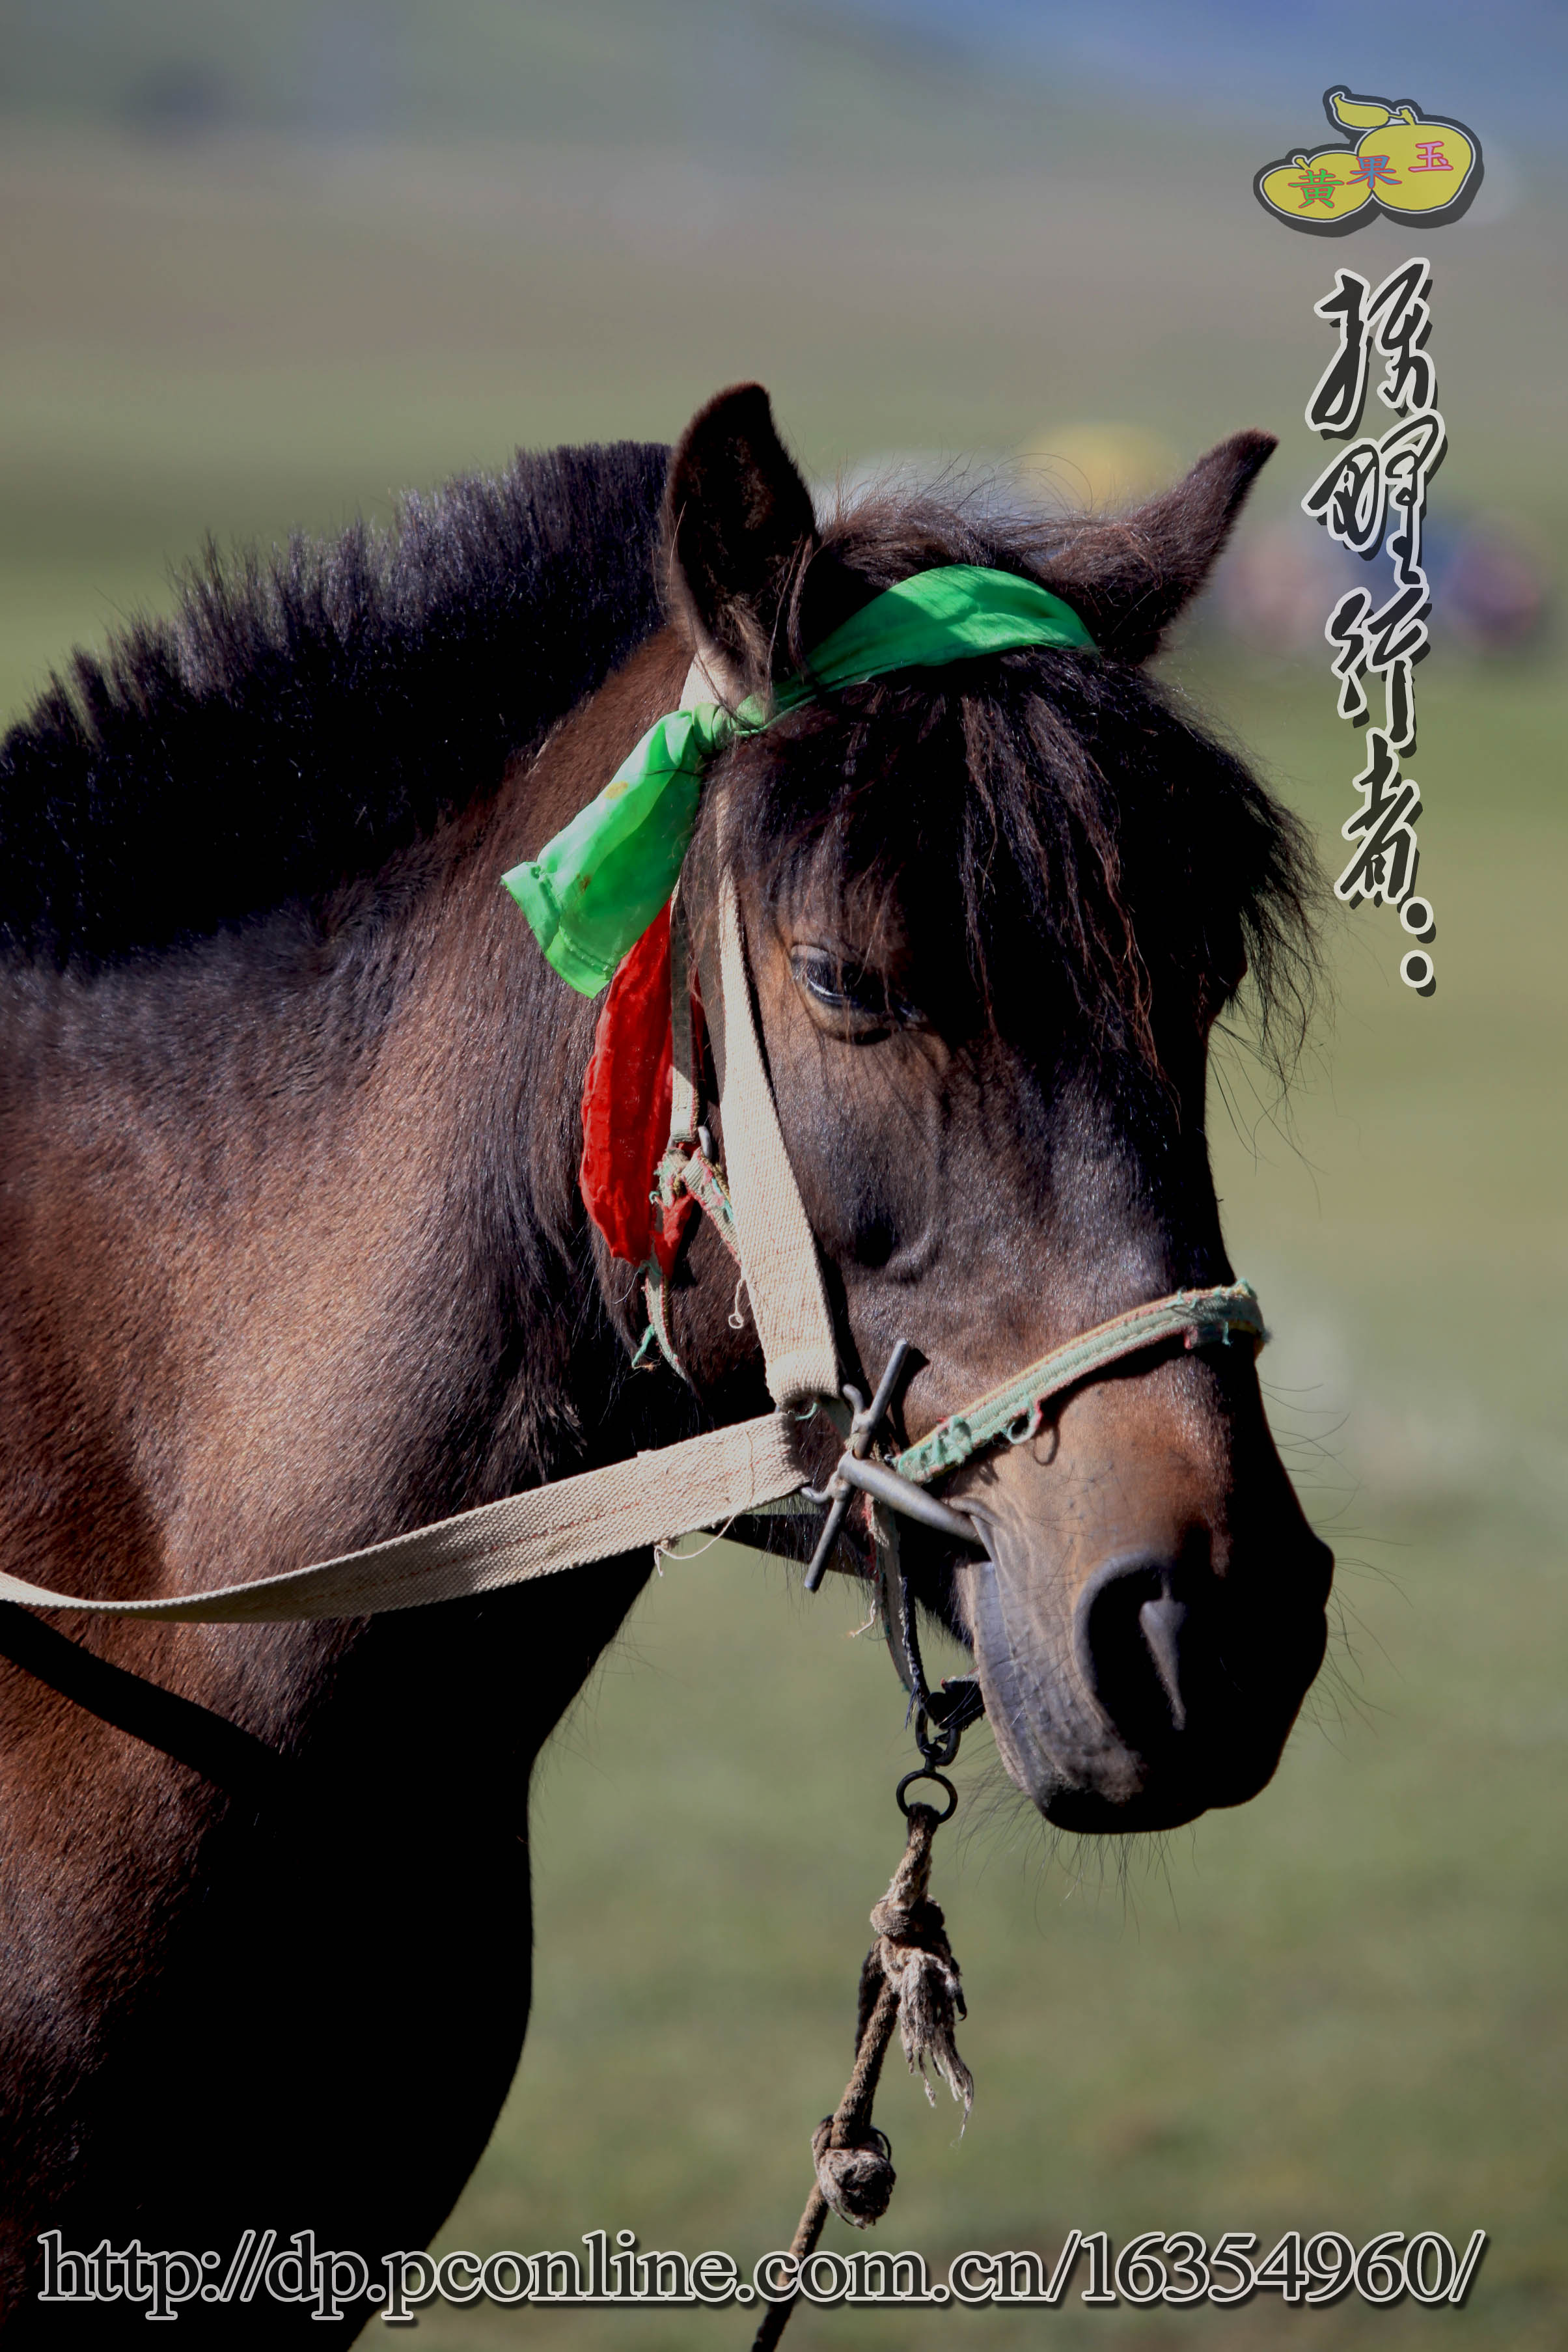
592,891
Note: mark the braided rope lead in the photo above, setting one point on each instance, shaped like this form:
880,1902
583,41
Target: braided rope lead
910,1978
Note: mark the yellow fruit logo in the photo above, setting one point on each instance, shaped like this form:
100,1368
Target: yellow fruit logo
1403,162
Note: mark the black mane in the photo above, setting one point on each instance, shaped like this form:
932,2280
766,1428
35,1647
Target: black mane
304,715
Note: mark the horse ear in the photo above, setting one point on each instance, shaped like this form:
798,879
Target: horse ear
738,523
1129,578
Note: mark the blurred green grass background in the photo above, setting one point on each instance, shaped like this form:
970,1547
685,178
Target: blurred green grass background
231,309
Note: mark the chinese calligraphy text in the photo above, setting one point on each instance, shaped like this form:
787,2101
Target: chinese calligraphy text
1372,499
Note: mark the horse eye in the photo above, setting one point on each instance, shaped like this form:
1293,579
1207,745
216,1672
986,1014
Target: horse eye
854,998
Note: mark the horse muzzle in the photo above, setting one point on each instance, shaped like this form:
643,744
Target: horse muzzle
1162,1680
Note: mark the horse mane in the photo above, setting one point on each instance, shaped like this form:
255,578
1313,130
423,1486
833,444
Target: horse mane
306,714
1099,835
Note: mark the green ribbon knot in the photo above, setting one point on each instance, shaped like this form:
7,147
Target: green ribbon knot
594,889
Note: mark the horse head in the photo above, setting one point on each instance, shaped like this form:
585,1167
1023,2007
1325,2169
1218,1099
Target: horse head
993,911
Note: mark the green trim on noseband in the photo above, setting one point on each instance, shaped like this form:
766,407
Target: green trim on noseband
592,891
1013,1411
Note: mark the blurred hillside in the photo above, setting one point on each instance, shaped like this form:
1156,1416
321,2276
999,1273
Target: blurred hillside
755,77
793,70
259,269
1215,57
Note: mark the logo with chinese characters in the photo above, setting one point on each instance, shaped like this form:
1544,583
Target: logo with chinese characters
1402,164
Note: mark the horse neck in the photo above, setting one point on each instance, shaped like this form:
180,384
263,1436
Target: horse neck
318,1206
484,1084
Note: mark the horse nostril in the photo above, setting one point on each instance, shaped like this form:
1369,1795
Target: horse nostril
1133,1639
1162,1622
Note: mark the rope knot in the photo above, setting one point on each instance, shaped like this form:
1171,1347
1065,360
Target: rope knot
913,1958
911,1976
855,2180
919,1922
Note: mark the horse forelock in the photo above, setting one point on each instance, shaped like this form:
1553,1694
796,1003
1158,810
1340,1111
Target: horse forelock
1059,823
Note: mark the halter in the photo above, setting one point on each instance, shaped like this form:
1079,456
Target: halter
594,899
588,895
1010,1414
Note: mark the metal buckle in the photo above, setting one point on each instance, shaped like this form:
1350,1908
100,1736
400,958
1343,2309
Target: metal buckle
854,1471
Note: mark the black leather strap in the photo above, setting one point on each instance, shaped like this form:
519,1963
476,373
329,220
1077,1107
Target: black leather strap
191,1734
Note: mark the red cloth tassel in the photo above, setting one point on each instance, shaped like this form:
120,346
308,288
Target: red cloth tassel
626,1108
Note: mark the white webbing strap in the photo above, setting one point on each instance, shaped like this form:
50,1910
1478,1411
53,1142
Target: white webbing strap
683,1035
629,1504
777,1247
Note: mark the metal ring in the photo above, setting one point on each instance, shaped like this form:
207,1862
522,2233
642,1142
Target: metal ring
939,1750
923,1772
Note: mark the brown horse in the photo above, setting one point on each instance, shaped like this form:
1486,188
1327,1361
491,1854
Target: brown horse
295,1259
